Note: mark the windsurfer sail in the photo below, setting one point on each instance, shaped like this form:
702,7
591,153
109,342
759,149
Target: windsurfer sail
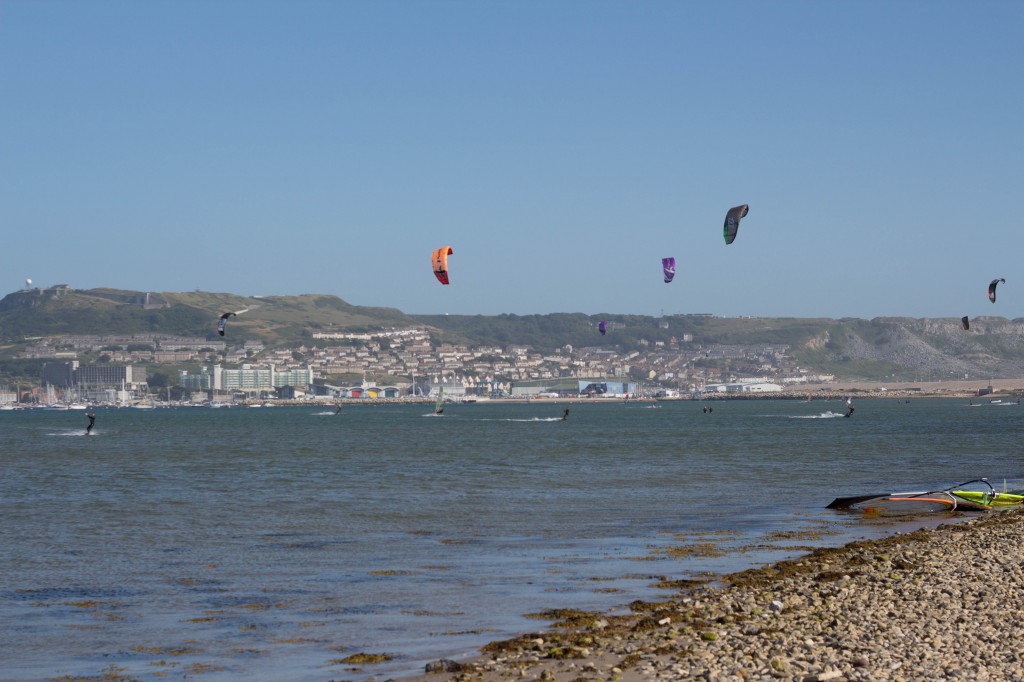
439,405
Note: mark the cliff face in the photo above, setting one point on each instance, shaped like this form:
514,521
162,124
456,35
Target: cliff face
929,347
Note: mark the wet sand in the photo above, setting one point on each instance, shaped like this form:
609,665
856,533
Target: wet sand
944,602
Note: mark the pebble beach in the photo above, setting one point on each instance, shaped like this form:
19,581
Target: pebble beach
942,603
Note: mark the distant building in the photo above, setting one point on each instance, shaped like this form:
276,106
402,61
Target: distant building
59,374
109,375
749,387
196,382
572,386
67,374
246,378
292,377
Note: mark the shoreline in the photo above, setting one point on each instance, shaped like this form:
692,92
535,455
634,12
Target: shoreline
963,389
983,390
940,602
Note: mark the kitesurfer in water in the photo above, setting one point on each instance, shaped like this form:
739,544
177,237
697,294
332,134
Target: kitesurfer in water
849,406
565,415
92,422
337,409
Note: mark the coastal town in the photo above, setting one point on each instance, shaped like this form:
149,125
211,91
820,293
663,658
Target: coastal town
408,364
394,364
399,363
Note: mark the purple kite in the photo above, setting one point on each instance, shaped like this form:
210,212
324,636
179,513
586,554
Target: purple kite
669,266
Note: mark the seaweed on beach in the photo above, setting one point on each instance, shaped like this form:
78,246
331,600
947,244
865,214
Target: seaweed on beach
681,584
698,549
851,554
521,643
800,534
566,618
111,673
167,651
362,658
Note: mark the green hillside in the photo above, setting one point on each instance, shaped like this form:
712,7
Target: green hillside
275,320
625,332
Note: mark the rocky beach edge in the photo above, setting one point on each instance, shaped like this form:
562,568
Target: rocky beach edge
943,602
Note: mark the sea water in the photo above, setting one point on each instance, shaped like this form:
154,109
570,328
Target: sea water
273,543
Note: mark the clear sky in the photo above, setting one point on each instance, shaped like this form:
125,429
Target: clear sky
562,148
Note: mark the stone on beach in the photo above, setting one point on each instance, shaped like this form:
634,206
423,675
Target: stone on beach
943,603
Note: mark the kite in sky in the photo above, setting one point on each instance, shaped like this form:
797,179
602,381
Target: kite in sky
668,265
992,288
440,261
224,320
732,221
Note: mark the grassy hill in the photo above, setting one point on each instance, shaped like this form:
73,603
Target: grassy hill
276,320
626,332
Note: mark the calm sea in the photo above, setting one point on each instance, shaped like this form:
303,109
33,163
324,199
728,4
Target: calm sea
271,543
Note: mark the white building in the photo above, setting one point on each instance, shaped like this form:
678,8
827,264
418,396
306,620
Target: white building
749,387
247,378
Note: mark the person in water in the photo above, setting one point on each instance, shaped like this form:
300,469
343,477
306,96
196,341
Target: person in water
849,407
565,415
92,422
337,408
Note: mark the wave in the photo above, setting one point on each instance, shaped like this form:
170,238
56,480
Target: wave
828,414
532,419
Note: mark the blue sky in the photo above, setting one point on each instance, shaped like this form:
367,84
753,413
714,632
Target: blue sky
561,148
